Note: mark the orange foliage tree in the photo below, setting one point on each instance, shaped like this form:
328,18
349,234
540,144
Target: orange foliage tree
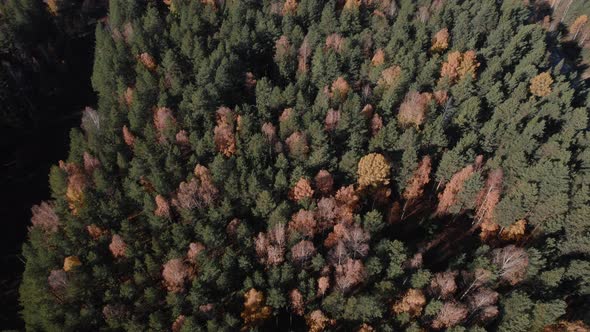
440,42
415,187
459,65
301,190
448,197
487,199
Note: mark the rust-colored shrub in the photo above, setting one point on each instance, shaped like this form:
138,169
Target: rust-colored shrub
178,323
182,138
347,197
367,111
577,26
303,56
566,326
57,280
486,202
323,285
224,137
441,97
77,183
163,119
282,48
250,81
270,132
128,96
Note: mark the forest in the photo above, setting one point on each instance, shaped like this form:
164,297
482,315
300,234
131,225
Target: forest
309,165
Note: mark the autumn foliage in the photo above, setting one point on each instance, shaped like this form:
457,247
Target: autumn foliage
301,190
459,65
45,218
175,273
271,165
225,139
448,197
420,178
390,77
440,42
255,311
541,84
373,171
450,315
412,303
487,200
413,110
71,262
117,246
512,262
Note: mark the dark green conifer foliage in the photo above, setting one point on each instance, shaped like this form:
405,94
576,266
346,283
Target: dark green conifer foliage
227,165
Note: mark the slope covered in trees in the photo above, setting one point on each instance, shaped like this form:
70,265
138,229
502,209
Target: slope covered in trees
44,58
340,165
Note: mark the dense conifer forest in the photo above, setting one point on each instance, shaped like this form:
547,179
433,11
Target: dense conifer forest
311,165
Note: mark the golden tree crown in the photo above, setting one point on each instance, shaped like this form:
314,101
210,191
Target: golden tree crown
373,170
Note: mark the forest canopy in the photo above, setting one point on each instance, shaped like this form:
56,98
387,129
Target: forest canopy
358,165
